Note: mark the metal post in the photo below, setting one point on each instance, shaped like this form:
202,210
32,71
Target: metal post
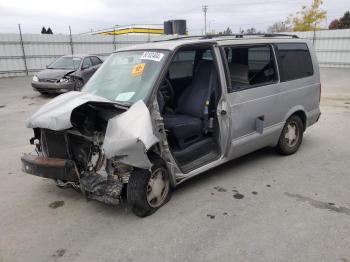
71,40
114,43
314,36
23,52
205,9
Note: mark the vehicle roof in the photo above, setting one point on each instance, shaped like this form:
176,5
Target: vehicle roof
172,44
78,55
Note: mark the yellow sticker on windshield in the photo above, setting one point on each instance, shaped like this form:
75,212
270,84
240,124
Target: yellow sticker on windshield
138,69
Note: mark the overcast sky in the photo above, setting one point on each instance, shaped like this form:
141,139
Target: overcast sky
84,15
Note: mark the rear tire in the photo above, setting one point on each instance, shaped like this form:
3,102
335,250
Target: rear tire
147,191
291,136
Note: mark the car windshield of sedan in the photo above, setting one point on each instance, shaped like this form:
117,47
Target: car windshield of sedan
69,63
127,76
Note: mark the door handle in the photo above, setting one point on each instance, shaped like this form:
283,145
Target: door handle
223,112
259,124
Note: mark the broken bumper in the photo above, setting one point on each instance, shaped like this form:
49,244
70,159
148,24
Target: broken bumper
54,168
47,87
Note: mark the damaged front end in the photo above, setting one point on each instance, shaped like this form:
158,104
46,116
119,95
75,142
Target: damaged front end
90,143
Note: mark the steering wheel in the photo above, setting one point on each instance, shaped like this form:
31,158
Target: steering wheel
167,90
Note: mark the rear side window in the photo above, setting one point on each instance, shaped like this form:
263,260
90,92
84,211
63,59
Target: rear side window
294,61
250,66
182,65
95,60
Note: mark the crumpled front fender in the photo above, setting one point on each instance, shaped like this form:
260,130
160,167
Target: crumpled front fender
129,136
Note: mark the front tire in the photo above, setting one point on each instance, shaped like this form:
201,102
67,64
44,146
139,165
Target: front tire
291,136
78,84
148,190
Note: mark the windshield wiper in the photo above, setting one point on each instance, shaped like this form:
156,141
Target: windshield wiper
122,104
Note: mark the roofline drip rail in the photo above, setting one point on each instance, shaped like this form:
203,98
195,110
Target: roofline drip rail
227,36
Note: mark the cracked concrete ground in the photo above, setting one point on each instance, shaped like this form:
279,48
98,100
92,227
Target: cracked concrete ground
262,207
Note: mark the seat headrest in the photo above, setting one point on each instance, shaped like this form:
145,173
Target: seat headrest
203,70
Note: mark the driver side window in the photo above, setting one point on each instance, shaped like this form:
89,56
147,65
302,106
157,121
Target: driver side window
250,66
87,62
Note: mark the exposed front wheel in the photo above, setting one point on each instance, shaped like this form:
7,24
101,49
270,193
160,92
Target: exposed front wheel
148,190
291,136
78,85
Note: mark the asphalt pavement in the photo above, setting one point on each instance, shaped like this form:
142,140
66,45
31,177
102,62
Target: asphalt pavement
261,207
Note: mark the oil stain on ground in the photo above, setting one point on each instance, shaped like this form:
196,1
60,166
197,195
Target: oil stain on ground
238,196
211,216
56,204
59,253
319,204
220,189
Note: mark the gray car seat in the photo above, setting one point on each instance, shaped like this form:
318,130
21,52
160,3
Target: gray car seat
188,122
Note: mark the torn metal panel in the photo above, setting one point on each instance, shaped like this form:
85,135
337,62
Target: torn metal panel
159,130
129,136
55,115
102,187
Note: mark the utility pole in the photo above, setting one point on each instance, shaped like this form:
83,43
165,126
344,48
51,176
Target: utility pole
23,51
205,9
71,41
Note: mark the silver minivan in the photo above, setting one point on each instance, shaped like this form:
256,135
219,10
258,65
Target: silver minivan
157,114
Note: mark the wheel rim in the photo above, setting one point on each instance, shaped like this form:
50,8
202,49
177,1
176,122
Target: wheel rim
291,134
79,84
157,188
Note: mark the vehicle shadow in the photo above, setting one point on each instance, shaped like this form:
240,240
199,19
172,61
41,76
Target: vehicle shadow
227,169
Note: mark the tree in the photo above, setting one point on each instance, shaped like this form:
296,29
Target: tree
344,22
43,30
341,23
281,26
308,18
251,30
334,24
228,31
49,31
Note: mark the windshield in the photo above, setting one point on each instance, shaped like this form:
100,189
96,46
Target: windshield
69,63
127,77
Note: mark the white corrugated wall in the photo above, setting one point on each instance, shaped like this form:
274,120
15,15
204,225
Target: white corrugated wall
332,47
40,50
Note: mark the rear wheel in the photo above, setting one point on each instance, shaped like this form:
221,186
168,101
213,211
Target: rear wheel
291,136
148,190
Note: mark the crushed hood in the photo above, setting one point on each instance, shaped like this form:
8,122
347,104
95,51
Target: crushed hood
55,115
54,73
128,135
